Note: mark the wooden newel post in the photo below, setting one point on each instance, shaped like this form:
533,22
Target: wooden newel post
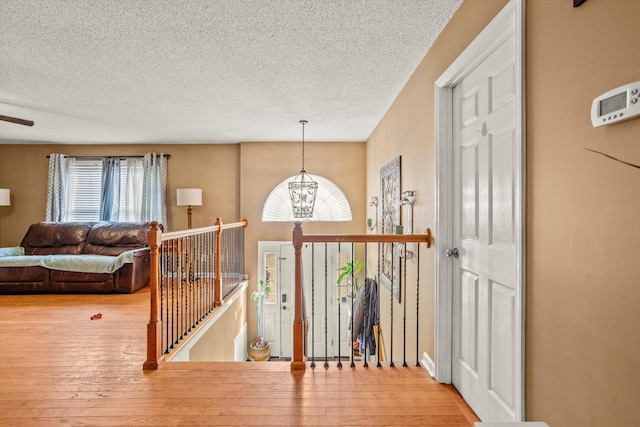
218,299
298,362
154,327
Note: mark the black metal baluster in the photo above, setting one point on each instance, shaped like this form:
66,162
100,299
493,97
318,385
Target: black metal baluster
164,287
186,287
174,291
326,303
339,291
208,269
363,351
378,348
198,279
353,289
192,286
404,300
393,279
214,271
417,303
313,306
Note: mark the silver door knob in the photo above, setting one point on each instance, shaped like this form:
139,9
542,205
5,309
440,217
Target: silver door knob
452,253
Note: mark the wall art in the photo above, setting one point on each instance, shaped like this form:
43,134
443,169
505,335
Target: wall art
390,210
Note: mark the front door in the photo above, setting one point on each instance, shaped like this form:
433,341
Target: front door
328,307
486,295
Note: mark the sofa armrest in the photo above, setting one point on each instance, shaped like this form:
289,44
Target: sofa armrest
11,251
141,268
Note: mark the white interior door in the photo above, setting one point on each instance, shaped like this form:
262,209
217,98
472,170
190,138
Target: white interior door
486,333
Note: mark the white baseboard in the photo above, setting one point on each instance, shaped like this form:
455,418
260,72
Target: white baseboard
240,345
511,424
182,354
428,364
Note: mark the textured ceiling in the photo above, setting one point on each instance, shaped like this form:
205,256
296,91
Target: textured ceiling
198,71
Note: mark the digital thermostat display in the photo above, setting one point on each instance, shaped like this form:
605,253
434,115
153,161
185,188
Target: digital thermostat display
616,105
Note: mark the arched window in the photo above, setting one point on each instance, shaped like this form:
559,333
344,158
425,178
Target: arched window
331,203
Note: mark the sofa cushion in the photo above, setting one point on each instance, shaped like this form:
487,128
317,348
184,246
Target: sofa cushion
21,261
113,238
87,263
45,238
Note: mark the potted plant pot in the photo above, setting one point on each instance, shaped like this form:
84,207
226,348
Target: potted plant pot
257,353
259,350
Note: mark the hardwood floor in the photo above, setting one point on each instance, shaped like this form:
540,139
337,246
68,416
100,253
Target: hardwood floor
59,367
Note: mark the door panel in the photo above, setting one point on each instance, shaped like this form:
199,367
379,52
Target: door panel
469,209
502,335
286,299
469,321
502,186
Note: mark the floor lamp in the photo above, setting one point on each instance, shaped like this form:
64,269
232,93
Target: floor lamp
189,197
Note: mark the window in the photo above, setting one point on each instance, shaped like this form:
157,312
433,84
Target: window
85,192
127,188
271,275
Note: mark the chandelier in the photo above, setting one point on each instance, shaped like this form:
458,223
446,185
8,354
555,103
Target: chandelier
303,189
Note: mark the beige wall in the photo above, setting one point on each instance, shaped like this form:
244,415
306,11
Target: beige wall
214,168
407,130
265,165
217,344
583,228
583,269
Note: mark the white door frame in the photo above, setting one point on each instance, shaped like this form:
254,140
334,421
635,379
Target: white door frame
508,22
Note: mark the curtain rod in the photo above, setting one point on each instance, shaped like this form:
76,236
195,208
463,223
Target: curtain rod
108,157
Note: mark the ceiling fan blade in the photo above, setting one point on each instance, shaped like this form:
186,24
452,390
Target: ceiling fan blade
16,120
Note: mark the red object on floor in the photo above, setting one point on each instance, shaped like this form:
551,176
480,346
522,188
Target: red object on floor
96,316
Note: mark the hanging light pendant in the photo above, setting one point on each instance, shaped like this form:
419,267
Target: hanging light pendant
303,189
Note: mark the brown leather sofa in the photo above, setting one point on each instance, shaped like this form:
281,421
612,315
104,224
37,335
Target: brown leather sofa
52,245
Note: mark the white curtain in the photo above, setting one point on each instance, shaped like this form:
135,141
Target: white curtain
154,189
131,194
57,188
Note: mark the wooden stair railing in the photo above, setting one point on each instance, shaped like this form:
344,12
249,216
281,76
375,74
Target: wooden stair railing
300,322
298,361
181,244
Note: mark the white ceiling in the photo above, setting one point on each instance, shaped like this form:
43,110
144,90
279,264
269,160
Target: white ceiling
198,71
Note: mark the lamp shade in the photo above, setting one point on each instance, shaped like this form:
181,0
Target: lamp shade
5,197
189,197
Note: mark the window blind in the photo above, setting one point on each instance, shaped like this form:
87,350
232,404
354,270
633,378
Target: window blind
84,190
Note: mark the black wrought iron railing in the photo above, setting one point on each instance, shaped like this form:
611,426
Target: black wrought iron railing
347,314
192,273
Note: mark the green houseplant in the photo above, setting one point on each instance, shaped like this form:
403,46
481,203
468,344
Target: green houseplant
350,269
259,349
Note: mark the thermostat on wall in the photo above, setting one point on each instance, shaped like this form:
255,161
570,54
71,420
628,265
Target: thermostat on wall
619,104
